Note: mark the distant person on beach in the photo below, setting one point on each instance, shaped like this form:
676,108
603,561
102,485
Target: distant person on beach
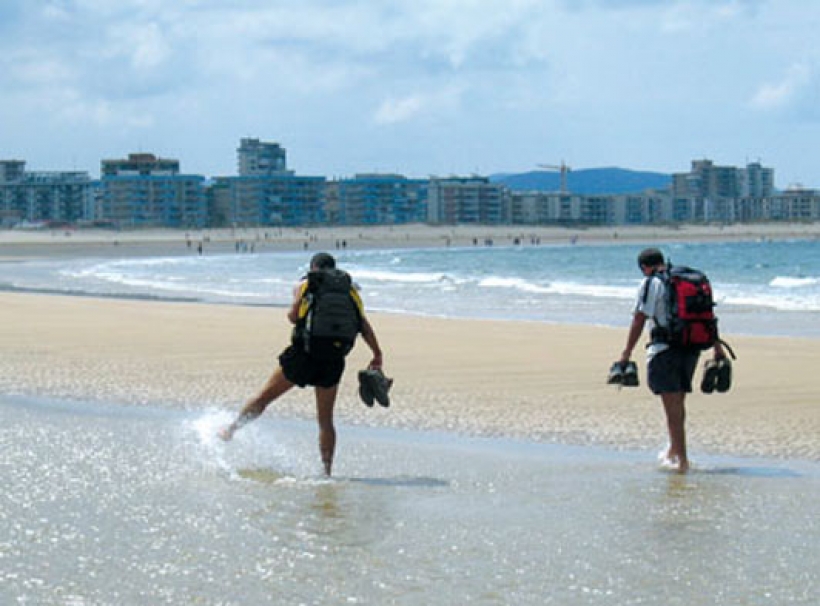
669,368
327,314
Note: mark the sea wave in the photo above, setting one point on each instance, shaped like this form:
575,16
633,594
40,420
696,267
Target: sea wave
789,282
578,284
776,303
561,288
514,283
362,275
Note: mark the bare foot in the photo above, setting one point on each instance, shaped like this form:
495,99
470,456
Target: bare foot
225,434
673,463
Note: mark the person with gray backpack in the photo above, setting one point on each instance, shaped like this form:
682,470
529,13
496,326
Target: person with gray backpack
328,315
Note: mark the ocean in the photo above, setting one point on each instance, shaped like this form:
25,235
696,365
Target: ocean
763,287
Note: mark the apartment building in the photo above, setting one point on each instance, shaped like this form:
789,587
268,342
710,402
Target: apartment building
12,170
378,199
144,190
706,180
756,181
284,199
257,158
43,196
467,200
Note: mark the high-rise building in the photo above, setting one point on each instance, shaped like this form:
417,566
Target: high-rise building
757,181
258,158
706,180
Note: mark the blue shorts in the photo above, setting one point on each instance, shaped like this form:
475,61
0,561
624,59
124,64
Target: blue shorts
671,371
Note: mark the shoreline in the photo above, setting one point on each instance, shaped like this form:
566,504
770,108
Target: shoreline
506,379
18,245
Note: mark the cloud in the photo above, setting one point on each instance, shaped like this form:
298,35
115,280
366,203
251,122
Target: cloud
434,105
789,91
398,110
144,44
479,84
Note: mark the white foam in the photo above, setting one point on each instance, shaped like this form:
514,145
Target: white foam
402,277
788,282
560,288
515,283
779,303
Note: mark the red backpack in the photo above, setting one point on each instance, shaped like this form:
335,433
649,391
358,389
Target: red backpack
691,321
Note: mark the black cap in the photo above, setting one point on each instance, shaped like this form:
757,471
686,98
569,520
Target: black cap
322,260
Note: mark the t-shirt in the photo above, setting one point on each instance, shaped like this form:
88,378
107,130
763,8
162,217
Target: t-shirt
651,302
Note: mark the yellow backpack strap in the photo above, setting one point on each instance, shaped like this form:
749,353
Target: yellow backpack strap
304,303
354,294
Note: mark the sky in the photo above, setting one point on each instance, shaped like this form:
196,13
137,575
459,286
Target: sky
416,87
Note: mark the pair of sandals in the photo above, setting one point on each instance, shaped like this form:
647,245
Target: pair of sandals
717,376
625,374
374,386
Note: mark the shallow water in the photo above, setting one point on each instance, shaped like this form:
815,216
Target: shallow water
108,504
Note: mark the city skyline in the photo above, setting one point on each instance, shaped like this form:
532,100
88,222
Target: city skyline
419,89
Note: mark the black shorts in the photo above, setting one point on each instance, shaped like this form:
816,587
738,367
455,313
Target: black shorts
322,367
671,371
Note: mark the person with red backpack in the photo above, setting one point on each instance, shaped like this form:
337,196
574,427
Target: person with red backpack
327,314
678,304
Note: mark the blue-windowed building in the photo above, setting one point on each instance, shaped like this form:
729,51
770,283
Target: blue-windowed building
144,190
278,199
43,196
379,199
131,201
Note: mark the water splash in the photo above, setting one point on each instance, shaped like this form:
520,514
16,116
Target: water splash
264,449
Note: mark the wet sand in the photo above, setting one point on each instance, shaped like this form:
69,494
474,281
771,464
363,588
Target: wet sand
525,380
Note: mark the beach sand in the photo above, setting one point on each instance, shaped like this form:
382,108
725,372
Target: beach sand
525,380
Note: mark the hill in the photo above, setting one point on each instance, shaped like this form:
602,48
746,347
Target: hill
588,181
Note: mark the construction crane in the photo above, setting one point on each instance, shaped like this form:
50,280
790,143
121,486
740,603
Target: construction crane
563,168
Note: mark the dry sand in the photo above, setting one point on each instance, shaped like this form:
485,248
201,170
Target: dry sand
531,380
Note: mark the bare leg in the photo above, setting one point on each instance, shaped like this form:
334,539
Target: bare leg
325,401
673,404
277,385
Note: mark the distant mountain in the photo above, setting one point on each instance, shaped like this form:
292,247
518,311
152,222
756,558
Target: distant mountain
587,181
